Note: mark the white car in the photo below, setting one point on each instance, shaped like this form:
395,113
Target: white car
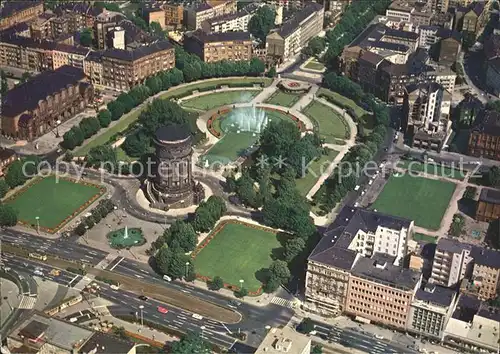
198,317
356,188
378,336
370,182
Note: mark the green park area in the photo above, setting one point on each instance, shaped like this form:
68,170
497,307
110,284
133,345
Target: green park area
314,65
219,99
54,202
329,123
314,171
237,251
284,99
432,169
178,91
125,238
416,198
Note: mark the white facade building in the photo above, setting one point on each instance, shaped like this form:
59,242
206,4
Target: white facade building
452,262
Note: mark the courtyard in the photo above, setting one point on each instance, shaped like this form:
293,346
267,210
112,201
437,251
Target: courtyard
235,251
330,125
219,99
54,202
416,198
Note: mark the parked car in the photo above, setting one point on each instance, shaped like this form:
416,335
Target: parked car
162,309
142,297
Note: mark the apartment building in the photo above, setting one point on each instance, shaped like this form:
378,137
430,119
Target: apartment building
41,27
486,271
63,54
26,53
154,14
295,33
410,12
428,36
14,12
440,6
174,14
470,21
213,47
488,205
81,14
123,69
92,67
201,12
37,106
237,22
380,291
430,310
452,262
355,233
484,139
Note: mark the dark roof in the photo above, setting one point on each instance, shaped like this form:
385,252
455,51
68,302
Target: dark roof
292,24
173,132
71,49
452,245
34,329
221,37
466,308
423,87
28,42
106,343
489,312
202,7
134,33
445,33
81,7
371,58
435,294
492,46
138,53
487,122
486,257
490,196
17,28
26,96
402,34
382,271
477,7
94,56
11,7
371,34
6,154
390,46
327,252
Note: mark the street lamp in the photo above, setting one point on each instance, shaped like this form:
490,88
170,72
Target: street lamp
187,268
57,128
141,307
202,329
37,218
241,283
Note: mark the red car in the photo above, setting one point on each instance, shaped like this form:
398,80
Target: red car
162,309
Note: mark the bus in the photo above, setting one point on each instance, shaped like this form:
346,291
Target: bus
40,257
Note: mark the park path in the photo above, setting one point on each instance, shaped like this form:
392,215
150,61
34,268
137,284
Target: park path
266,92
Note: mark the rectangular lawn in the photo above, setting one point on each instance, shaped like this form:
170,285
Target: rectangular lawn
52,202
237,252
330,124
416,198
433,168
315,65
283,99
214,100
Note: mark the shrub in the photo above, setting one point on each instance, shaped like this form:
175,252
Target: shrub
76,270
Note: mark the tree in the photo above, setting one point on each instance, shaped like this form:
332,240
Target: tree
80,229
305,326
103,156
136,144
155,84
181,236
15,176
191,343
68,156
470,192
271,73
104,117
317,349
89,126
246,190
156,30
256,66
72,138
8,215
272,284
279,270
4,188
241,293
493,176
262,22
86,37
159,113
294,247
216,283
116,108
203,220
277,139
314,47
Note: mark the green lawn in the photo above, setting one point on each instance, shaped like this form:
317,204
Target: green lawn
315,169
426,238
423,200
237,252
229,147
314,65
432,168
343,101
54,202
214,100
330,124
132,117
284,99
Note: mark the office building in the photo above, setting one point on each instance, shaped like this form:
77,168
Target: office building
486,271
452,262
14,12
39,105
213,47
284,340
200,12
430,310
484,139
488,205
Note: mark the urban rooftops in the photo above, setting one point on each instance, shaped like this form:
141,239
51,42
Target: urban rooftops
490,196
131,55
435,294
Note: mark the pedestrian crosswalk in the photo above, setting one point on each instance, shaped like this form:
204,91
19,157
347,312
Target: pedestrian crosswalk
27,302
282,302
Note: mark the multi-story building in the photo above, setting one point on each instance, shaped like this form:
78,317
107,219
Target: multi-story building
493,75
64,54
37,106
355,233
115,38
484,139
174,14
154,14
442,75
41,27
380,291
452,262
237,22
14,12
410,12
284,340
470,21
103,23
123,69
467,110
440,6
92,67
81,14
26,53
294,34
488,205
234,46
427,106
430,310
450,45
486,271
200,12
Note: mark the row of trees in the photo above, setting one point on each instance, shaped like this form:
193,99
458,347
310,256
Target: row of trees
103,208
87,127
182,237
